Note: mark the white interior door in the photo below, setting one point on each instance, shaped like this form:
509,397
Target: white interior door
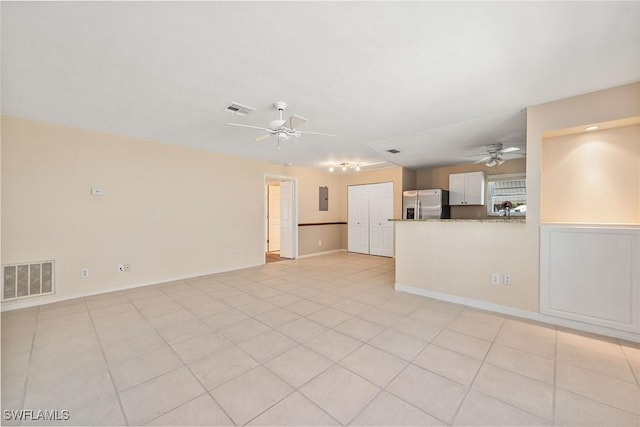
358,221
286,219
380,211
273,215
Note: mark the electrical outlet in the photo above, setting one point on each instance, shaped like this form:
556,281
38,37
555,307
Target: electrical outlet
238,252
507,279
84,272
127,267
121,267
319,242
495,278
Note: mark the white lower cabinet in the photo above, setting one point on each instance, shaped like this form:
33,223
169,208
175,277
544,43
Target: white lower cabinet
370,208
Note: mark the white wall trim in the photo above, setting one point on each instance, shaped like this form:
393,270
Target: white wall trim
50,299
322,253
511,311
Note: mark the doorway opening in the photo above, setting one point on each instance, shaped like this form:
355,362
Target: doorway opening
281,218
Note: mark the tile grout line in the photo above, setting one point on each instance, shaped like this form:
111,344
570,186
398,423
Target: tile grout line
26,377
380,294
263,365
635,375
410,363
517,373
555,379
184,365
468,387
334,363
104,356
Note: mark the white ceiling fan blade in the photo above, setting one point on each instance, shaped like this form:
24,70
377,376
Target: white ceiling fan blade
250,127
317,133
484,159
262,138
295,122
510,149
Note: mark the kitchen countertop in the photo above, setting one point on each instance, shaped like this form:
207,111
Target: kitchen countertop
515,220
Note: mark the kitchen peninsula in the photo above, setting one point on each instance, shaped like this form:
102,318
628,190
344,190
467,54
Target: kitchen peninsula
453,259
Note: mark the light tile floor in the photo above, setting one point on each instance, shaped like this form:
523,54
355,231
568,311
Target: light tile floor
317,341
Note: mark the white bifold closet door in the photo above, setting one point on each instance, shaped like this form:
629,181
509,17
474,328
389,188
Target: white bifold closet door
358,224
369,228
380,212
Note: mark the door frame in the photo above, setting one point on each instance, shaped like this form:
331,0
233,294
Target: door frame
265,224
271,186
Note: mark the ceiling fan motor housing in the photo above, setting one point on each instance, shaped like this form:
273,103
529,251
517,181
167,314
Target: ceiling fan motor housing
276,124
494,148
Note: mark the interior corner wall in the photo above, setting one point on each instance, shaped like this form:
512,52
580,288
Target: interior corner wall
409,179
170,212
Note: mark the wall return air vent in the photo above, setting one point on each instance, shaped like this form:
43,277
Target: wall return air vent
25,280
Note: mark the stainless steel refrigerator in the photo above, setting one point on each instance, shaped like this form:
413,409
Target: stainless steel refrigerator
425,204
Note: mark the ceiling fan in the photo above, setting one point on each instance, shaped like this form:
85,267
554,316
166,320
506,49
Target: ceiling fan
496,155
280,128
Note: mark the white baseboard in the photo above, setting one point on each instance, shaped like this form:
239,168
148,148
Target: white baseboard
50,299
516,312
321,253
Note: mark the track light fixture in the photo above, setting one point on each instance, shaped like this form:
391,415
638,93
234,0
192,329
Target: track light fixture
345,166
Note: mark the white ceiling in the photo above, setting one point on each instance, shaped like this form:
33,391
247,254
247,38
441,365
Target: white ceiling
436,81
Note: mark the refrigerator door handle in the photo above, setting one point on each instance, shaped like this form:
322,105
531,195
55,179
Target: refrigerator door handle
418,212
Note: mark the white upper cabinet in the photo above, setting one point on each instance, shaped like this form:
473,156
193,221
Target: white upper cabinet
466,188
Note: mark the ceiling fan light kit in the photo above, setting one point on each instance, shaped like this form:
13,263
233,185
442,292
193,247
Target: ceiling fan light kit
282,129
495,155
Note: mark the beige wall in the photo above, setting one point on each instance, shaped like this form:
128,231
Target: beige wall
166,211
309,238
457,258
592,177
394,175
409,179
439,178
470,249
309,181
594,108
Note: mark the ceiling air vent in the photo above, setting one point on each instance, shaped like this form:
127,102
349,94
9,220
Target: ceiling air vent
238,109
393,151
